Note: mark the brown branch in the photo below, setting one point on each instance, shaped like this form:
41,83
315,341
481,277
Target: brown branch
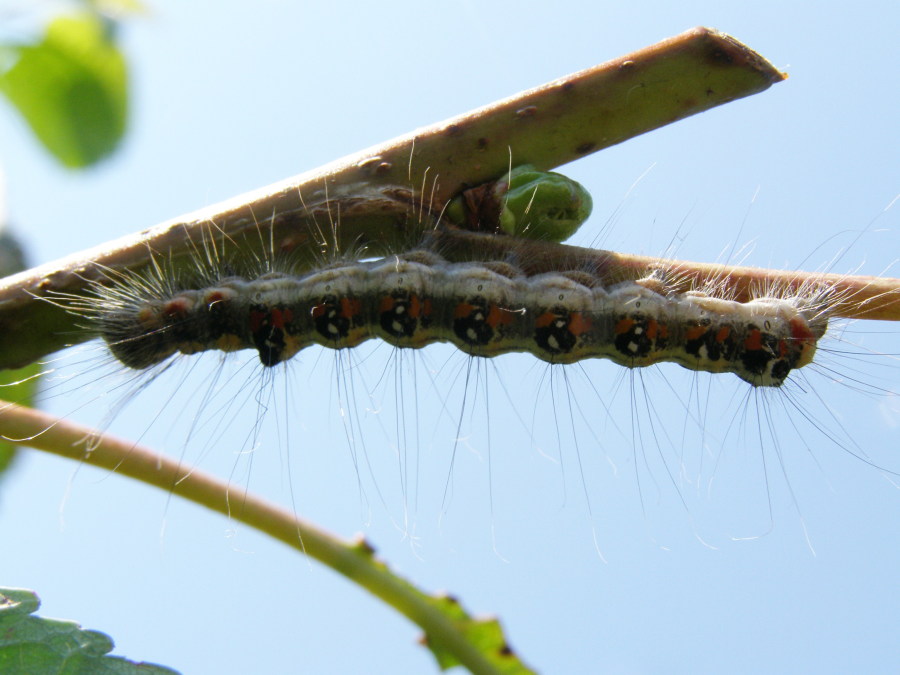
852,297
375,192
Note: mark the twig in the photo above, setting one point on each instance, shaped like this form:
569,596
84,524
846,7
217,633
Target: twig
853,297
353,559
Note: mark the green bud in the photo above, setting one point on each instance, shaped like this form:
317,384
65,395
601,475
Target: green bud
541,204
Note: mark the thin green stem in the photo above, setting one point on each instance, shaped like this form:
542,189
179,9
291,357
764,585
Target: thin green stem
353,559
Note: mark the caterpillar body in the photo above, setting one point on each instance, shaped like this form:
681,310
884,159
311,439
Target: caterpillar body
484,308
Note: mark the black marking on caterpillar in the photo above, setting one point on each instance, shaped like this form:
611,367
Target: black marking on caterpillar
485,309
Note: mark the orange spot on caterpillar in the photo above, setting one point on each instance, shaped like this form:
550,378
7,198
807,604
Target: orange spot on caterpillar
723,333
800,330
807,340
580,324
753,341
415,307
350,307
215,295
177,308
276,317
695,332
462,310
498,316
281,317
624,325
545,319
783,349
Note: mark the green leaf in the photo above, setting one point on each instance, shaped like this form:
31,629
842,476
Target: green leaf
71,89
31,644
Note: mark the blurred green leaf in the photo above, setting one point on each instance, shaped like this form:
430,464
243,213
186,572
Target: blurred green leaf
38,646
71,89
15,385
117,8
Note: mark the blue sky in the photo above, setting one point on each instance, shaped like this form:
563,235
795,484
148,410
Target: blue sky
778,551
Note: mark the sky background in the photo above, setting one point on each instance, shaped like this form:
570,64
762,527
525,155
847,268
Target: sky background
774,550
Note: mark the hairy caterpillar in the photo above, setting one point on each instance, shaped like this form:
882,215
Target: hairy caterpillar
230,301
485,309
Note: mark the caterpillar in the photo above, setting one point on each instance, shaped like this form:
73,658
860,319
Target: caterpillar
485,309
230,299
